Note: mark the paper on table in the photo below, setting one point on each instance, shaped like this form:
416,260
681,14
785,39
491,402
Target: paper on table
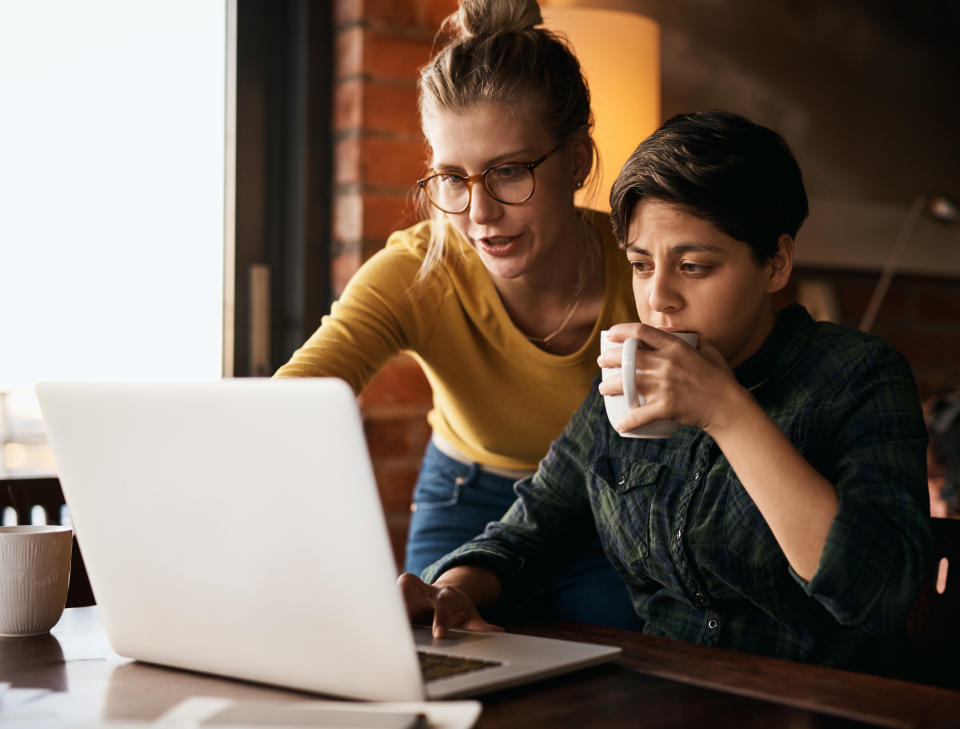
11,698
193,712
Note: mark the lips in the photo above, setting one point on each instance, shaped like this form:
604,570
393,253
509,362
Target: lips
498,245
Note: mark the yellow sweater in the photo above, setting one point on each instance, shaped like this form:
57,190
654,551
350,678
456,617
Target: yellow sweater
497,398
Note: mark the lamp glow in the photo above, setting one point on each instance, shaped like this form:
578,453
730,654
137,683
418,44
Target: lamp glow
620,56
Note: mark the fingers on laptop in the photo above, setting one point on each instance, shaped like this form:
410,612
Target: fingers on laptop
455,610
418,597
449,607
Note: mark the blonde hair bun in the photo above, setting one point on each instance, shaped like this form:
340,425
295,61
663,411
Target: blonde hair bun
485,17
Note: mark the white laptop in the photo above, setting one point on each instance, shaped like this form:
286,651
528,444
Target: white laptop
234,528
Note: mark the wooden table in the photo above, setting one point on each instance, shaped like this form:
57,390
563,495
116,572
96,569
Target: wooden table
656,683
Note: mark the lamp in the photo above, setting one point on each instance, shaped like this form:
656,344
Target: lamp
936,207
619,53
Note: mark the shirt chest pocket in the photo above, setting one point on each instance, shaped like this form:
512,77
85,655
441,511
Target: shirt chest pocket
622,499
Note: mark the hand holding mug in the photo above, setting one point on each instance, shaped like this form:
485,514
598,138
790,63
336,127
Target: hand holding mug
619,406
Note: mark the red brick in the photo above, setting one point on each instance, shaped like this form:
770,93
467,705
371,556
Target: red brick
348,216
347,11
395,438
370,216
348,105
347,153
385,162
369,246
376,106
396,486
399,388
391,107
349,44
421,14
397,527
438,10
387,56
385,213
342,268
391,162
393,12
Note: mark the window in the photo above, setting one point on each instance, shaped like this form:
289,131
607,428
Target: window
111,199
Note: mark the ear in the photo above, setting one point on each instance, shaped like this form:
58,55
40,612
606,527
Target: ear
780,266
581,147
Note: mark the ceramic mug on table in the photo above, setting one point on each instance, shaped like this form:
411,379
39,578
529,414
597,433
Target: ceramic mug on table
34,576
618,406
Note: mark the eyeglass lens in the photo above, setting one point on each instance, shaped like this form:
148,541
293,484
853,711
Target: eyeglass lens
508,183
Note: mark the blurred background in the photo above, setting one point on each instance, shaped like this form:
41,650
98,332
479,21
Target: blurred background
187,185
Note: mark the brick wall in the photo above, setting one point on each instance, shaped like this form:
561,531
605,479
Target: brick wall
379,150
920,316
378,153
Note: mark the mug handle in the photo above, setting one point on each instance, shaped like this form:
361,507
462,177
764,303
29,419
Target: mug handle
628,373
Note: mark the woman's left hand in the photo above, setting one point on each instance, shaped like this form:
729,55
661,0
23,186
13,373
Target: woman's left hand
676,381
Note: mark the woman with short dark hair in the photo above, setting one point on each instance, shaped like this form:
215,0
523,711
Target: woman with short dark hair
789,515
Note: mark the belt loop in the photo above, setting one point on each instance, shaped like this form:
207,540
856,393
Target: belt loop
473,470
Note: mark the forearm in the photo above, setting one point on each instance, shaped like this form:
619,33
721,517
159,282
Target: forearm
798,504
347,346
481,585
367,325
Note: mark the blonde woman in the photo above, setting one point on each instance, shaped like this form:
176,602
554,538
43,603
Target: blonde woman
500,293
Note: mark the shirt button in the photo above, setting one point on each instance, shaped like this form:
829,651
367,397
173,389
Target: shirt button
621,481
700,598
713,624
679,534
696,476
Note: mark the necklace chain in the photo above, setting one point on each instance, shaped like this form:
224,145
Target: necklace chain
586,266
544,341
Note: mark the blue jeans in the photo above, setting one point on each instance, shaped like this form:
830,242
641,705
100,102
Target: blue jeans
454,502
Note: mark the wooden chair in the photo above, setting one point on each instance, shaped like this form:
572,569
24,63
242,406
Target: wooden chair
933,632
22,495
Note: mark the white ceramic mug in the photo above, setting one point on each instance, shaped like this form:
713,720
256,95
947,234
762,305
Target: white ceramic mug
618,406
34,576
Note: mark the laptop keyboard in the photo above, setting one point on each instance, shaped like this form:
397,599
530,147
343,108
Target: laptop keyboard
439,665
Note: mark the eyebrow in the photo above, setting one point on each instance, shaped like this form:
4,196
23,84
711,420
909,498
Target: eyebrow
520,156
680,249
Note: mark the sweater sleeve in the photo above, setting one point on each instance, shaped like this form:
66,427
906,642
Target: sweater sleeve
376,317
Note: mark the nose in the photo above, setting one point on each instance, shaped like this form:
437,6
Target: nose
483,208
663,294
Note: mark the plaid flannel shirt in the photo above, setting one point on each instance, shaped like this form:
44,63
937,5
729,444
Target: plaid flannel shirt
699,560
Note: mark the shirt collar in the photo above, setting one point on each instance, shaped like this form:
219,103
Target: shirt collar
790,336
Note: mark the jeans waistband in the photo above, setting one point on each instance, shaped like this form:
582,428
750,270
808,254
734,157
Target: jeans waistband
448,449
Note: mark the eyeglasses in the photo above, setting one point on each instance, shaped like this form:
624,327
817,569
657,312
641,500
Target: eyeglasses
510,183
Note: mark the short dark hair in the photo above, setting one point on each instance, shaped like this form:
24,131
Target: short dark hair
721,167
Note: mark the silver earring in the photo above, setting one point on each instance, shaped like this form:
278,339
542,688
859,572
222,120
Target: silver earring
578,184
